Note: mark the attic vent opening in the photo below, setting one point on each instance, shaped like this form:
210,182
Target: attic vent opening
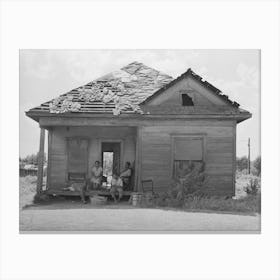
186,100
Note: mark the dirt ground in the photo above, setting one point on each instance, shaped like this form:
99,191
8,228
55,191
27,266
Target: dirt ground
74,216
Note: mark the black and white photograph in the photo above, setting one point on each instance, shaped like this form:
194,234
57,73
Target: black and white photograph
140,141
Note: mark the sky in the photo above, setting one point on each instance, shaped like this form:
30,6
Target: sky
45,74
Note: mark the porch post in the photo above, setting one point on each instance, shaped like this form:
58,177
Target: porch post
49,158
40,161
138,158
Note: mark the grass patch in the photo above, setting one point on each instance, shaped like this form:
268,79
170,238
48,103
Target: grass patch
248,204
244,204
191,194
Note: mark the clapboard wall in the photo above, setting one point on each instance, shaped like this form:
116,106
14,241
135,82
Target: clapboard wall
156,159
154,150
57,169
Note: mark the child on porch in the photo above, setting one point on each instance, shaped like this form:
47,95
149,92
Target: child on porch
117,187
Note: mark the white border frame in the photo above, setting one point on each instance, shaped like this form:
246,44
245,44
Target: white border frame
156,24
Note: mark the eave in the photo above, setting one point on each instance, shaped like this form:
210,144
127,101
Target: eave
126,119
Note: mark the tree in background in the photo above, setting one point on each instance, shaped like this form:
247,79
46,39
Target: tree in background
32,159
242,163
257,165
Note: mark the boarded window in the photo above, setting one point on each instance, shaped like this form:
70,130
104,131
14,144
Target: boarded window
77,155
189,148
188,153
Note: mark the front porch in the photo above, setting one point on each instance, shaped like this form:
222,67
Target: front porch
74,150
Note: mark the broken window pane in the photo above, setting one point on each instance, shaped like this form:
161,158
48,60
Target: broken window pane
186,100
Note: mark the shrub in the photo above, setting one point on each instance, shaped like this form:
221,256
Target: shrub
193,183
243,181
253,186
257,165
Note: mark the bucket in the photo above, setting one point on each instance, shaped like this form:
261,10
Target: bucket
136,198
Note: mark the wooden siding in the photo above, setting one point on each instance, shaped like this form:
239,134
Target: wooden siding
154,151
58,148
157,153
197,98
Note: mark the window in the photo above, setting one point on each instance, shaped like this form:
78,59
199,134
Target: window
187,154
186,100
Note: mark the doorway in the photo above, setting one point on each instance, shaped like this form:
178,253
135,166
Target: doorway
111,159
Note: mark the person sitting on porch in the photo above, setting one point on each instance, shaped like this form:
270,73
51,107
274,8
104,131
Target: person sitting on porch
126,175
117,187
96,173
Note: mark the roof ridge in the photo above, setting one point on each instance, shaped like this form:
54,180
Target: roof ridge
135,62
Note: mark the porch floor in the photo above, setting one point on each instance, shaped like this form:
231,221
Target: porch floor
87,193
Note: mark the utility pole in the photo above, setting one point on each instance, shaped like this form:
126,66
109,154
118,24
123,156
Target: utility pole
249,160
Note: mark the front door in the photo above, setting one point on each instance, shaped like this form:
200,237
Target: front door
111,157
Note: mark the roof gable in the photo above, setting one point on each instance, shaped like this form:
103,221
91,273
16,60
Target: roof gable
195,82
200,96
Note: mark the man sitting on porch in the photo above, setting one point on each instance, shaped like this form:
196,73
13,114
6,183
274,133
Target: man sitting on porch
117,187
96,179
126,175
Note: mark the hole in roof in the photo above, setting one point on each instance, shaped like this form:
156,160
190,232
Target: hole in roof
186,100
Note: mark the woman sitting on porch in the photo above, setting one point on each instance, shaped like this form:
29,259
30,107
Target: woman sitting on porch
96,179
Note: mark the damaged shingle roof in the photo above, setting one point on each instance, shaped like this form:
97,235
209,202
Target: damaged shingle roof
129,86
124,90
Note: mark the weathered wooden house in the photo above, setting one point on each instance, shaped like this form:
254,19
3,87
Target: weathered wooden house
147,118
